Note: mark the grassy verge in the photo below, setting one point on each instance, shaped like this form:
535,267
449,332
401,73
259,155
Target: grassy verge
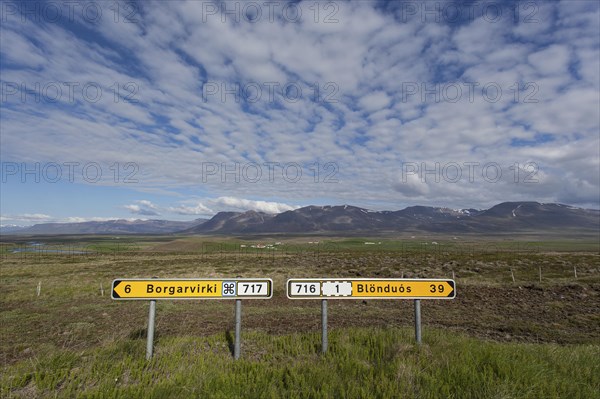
361,363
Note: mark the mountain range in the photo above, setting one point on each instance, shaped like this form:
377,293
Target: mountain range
119,226
349,220
346,219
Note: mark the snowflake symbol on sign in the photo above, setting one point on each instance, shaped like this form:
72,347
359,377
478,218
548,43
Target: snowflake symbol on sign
228,288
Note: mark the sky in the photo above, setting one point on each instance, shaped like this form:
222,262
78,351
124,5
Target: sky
180,109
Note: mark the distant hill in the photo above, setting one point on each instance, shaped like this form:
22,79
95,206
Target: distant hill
119,226
502,218
351,220
10,228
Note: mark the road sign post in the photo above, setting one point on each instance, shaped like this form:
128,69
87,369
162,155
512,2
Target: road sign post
150,330
324,325
173,289
418,321
370,288
238,329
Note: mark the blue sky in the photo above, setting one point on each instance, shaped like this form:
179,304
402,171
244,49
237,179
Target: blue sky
180,109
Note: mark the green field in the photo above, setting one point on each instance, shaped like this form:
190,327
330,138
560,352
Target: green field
362,363
527,338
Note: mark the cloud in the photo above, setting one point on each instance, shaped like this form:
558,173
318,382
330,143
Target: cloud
552,60
259,206
79,219
411,185
374,101
29,217
197,209
207,207
20,50
143,207
210,206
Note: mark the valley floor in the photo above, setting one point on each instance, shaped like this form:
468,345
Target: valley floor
498,338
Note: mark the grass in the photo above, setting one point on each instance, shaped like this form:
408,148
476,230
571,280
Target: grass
497,339
361,363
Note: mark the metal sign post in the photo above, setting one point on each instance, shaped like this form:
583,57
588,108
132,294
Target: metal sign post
150,341
324,325
238,328
418,321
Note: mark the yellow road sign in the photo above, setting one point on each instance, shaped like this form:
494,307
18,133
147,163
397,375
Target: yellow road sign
149,289
371,288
